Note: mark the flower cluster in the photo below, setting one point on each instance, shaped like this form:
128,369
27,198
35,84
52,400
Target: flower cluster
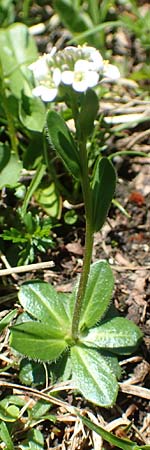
78,67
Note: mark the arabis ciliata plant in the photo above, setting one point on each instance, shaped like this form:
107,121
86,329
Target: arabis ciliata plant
78,327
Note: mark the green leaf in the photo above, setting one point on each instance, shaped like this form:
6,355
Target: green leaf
33,441
5,436
71,217
7,319
18,50
37,341
9,408
10,167
33,186
88,112
42,302
31,373
40,408
93,377
97,295
71,16
118,335
124,444
32,113
103,188
49,199
61,140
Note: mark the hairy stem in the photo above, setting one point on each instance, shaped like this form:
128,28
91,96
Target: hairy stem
88,241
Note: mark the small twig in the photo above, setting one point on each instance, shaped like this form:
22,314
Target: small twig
7,265
135,390
129,267
27,268
38,394
138,138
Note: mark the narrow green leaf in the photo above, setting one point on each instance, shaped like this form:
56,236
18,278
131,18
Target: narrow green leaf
124,444
103,188
40,408
62,141
33,186
5,436
7,319
88,112
118,335
71,17
37,341
92,376
34,440
97,295
41,300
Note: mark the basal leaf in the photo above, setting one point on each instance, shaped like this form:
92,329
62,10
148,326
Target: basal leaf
62,141
119,335
103,188
97,295
43,303
37,341
92,376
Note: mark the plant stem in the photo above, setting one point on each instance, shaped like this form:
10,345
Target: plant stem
88,240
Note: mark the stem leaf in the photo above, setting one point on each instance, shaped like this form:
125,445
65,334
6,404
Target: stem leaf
97,295
61,140
88,112
92,376
103,188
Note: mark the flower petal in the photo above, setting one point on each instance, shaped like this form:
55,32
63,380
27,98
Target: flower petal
92,78
80,86
46,94
40,68
57,76
82,65
67,77
94,56
111,72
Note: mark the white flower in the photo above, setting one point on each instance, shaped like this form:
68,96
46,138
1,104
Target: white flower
82,77
94,56
110,72
40,68
46,94
48,88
